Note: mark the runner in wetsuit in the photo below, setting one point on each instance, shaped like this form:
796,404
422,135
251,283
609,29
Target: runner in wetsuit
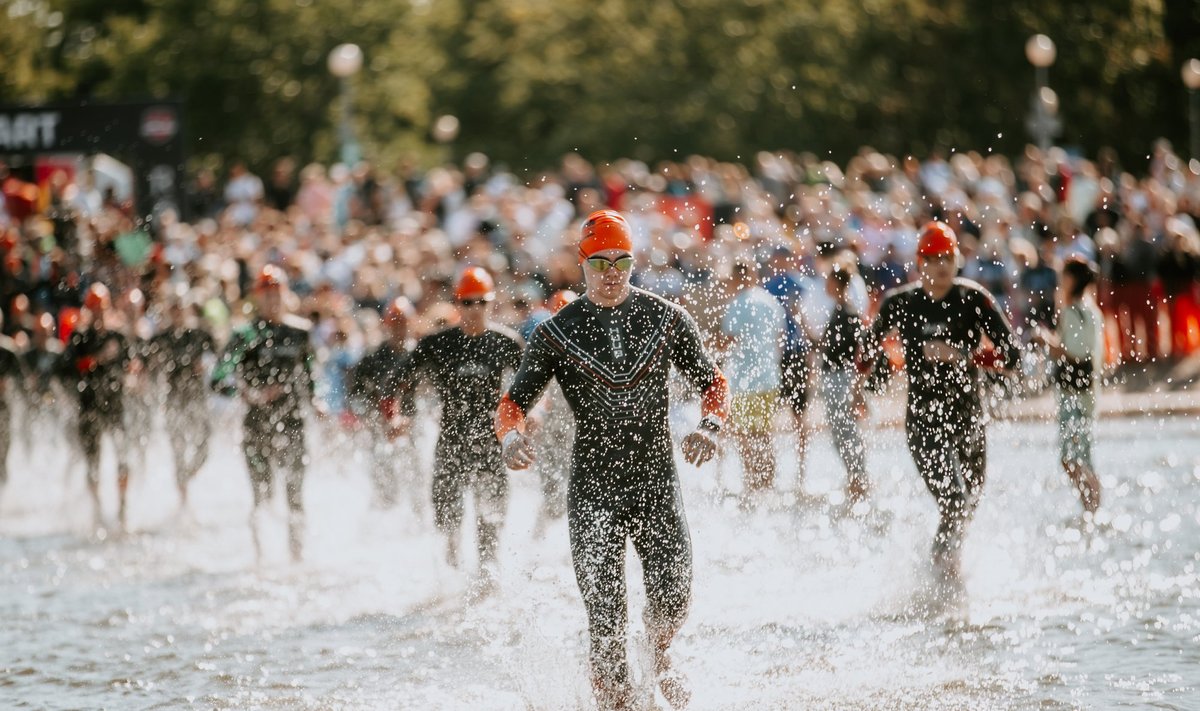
384,404
176,355
40,363
612,352
465,364
941,321
96,359
269,363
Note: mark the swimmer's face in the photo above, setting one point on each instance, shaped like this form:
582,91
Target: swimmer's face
474,313
938,271
607,274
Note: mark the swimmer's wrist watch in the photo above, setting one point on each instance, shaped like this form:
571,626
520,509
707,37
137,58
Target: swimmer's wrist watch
710,423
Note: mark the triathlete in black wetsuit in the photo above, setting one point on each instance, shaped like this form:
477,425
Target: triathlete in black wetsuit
612,353
465,363
941,321
269,363
40,364
384,404
96,359
176,355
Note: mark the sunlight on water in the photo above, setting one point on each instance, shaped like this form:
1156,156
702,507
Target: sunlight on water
792,609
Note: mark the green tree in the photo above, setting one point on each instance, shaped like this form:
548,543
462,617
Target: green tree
531,79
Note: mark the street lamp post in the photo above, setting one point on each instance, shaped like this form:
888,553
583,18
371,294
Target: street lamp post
1191,79
1043,123
344,62
445,130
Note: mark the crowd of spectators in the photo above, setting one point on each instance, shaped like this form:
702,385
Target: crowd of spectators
351,238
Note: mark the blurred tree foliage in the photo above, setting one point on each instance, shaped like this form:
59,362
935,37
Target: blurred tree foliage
531,79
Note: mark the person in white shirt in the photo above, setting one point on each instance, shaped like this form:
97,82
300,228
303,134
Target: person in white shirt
1077,350
757,325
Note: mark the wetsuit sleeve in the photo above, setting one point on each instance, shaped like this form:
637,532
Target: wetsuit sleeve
12,366
874,361
359,390
66,369
533,375
310,358
406,399
1005,353
513,352
410,369
224,375
688,356
407,375
884,323
129,351
400,384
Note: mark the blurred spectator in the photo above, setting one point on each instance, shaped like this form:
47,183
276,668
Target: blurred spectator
243,194
281,189
1179,270
756,326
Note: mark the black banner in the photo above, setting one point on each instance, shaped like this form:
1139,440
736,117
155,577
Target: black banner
148,136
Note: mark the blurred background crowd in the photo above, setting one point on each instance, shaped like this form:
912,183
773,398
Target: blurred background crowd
353,238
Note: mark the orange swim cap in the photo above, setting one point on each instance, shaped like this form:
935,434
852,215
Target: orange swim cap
475,284
605,229
937,240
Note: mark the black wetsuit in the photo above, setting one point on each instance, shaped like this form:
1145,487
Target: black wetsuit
376,395
139,404
613,365
466,373
42,371
95,360
41,364
176,355
945,417
260,356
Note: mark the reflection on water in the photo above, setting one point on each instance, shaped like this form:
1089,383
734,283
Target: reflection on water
791,611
